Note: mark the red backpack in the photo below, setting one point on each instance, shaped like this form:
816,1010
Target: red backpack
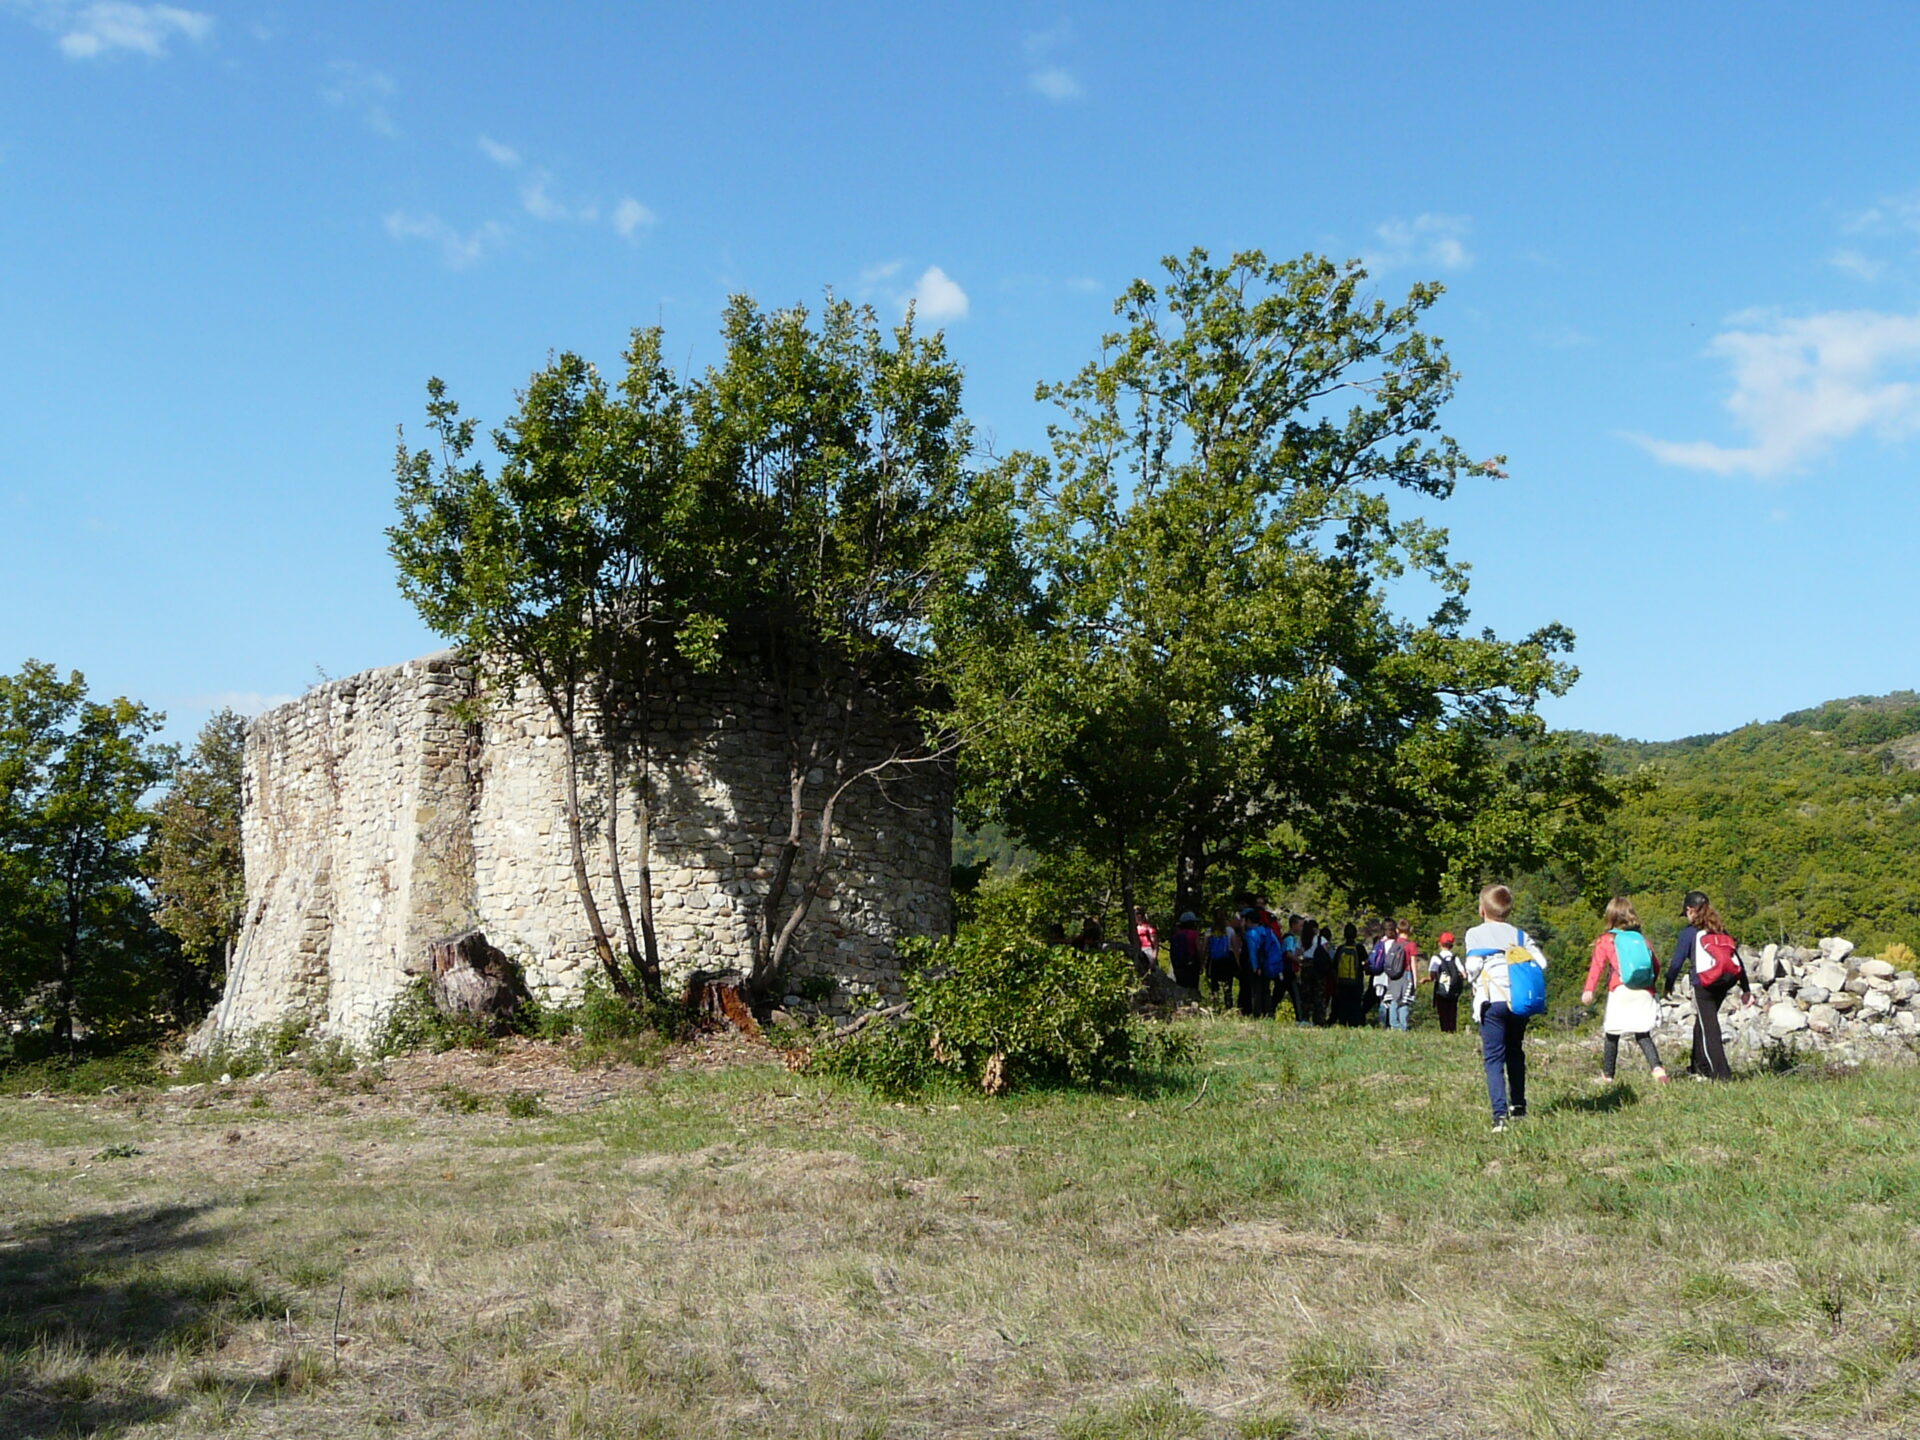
1716,959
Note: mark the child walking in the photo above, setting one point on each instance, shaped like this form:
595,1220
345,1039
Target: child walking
1623,956
1503,1034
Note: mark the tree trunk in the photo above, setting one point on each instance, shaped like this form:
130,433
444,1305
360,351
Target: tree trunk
722,998
768,952
601,945
1190,875
649,937
613,852
466,976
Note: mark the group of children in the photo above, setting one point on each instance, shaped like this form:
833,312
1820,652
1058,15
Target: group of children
1251,951
1503,969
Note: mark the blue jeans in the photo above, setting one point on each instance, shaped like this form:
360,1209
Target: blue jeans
1503,1037
1400,1014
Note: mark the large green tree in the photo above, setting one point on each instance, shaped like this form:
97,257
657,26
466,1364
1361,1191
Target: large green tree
865,554
1216,672
199,878
567,567
803,511
78,946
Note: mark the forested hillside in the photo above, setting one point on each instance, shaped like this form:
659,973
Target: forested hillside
1800,827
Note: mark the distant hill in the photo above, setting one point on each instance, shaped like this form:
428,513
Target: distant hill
1804,826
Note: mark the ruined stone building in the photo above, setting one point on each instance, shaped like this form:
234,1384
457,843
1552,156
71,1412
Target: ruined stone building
389,808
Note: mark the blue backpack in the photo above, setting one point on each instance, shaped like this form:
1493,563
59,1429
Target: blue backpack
1526,980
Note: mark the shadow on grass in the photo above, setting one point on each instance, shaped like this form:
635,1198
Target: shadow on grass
84,1301
1613,1099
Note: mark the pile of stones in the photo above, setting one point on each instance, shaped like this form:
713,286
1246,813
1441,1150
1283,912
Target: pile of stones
1826,998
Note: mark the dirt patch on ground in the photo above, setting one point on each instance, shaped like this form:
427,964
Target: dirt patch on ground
533,1070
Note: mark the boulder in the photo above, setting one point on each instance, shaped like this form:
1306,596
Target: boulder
1876,970
1877,1002
1905,989
1823,1019
1843,1002
1836,948
1814,994
1784,1019
1764,968
1857,986
1905,1022
1827,974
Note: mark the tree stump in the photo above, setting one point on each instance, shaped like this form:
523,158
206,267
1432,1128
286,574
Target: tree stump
719,997
468,977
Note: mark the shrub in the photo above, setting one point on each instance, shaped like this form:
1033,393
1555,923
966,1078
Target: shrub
613,1030
129,1070
1899,955
997,1009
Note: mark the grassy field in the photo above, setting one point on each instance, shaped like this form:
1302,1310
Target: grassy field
1312,1234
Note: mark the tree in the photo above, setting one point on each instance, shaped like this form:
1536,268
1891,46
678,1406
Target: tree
1214,672
75,915
199,878
567,568
864,556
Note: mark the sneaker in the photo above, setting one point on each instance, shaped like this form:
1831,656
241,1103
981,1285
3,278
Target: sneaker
1499,1127
1519,1114
1603,1079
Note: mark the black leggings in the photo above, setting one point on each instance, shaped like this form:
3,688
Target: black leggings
1610,1056
1709,1052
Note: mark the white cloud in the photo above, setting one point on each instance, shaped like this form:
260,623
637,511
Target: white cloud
97,29
1429,241
1046,76
457,251
1861,267
631,219
936,296
1053,82
86,32
1083,284
1801,386
1894,213
876,274
504,155
352,87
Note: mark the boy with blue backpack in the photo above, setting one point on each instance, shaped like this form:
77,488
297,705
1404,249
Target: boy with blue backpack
1509,975
1624,957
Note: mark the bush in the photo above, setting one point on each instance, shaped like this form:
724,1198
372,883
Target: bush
415,1023
995,1008
129,1070
613,1030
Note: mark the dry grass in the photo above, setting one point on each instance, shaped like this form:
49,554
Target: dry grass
720,1248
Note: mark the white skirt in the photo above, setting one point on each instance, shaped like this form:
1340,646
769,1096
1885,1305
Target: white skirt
1630,1012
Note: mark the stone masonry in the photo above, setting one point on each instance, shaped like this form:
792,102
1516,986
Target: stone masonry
398,805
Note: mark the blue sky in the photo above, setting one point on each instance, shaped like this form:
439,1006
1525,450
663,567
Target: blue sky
1681,245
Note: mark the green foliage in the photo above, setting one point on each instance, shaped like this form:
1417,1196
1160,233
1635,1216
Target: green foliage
1211,670
76,921
611,1029
999,1010
123,1072
1798,828
199,881
416,1023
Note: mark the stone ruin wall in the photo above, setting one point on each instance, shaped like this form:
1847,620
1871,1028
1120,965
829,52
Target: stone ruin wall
1828,998
377,818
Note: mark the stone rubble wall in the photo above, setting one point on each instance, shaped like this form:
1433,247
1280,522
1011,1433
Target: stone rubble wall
1826,999
394,806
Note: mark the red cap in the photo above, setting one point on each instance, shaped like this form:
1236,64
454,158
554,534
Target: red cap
1447,939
